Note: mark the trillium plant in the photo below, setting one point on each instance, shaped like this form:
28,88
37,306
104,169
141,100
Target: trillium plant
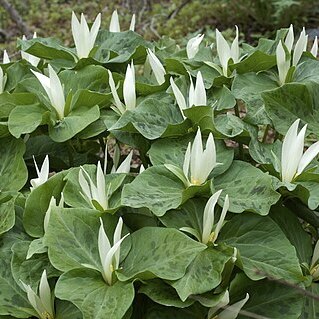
144,179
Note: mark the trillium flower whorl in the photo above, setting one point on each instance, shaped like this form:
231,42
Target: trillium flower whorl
293,160
209,218
43,173
33,60
110,255
196,95
94,192
128,91
192,46
84,38
54,90
226,52
43,303
115,23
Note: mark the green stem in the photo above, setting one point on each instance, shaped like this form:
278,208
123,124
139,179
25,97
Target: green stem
302,211
240,145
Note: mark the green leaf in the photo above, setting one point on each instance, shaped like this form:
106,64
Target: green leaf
163,294
7,212
307,71
248,188
311,305
13,171
89,292
77,120
204,273
291,101
225,99
248,88
38,203
64,309
264,251
159,252
153,119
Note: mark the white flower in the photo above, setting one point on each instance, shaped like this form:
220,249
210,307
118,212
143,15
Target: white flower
115,24
209,217
196,95
157,67
226,52
54,90
125,166
6,58
43,174
53,203
110,255
314,48
283,63
198,163
192,46
128,91
33,60
3,80
293,160
43,303
84,38
230,312
94,193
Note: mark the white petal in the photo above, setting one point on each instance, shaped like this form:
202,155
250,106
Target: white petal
300,47
191,92
234,50
44,81
115,24
232,311
283,64
314,49
116,98
129,88
45,293
196,159
76,33
307,157
103,243
187,159
100,184
57,94
157,67
2,80
192,46
116,238
223,51
222,218
289,41
48,213
199,92
125,166
178,96
208,217
44,173
95,30
132,25
6,58
84,184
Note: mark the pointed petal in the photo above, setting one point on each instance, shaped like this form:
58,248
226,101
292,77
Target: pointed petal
200,92
103,243
100,184
208,160
187,159
192,46
44,173
223,51
314,49
196,158
115,24
44,81
57,94
283,64
178,96
116,98
45,293
289,41
48,213
300,47
76,33
307,157
129,88
222,218
232,311
116,238
191,92
84,184
95,30
6,58
157,67
125,166
208,217
234,50
132,25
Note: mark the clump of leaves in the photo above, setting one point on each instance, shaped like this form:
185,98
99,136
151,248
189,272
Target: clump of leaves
217,213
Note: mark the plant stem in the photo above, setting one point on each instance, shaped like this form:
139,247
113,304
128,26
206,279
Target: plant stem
240,145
